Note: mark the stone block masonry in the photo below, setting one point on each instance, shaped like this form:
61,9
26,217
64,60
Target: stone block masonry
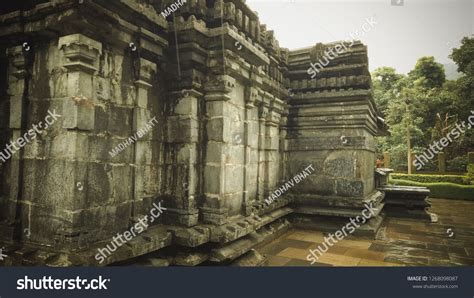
29,136
289,184
134,138
226,131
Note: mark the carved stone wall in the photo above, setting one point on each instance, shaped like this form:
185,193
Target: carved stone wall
235,116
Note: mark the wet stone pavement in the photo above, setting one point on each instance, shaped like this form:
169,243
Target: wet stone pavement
400,242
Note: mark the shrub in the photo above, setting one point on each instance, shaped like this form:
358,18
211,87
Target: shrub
457,164
470,172
423,178
442,190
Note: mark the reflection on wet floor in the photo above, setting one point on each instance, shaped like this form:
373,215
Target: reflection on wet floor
402,242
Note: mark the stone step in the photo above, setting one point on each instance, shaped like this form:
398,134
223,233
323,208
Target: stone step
237,248
251,259
237,229
398,189
335,211
332,224
408,202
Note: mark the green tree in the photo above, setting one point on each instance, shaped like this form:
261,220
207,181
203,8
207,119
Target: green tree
462,90
464,56
461,93
386,85
428,73
436,105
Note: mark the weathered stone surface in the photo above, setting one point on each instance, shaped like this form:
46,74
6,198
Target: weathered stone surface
227,131
340,167
347,188
191,259
190,237
408,201
153,262
241,246
251,259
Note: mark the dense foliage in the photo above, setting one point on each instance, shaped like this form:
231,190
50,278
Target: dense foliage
430,105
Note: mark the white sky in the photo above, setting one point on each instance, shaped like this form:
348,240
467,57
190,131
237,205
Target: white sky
401,36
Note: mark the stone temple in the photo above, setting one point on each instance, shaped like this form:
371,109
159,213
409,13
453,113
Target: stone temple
235,118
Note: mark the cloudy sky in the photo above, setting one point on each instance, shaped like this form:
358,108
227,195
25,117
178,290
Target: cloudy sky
403,33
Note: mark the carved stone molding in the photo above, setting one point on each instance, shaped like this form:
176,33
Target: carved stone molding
81,53
218,87
18,61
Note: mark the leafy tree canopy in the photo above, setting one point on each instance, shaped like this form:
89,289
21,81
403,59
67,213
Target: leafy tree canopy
428,73
464,56
435,106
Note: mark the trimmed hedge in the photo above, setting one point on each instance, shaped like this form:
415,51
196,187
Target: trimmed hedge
470,171
442,190
423,178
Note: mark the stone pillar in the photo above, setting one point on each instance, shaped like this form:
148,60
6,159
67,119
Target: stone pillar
386,160
251,141
442,162
283,145
262,115
142,119
78,189
272,158
17,75
48,175
183,133
215,207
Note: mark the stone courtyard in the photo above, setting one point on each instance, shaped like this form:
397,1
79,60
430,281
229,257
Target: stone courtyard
400,242
236,118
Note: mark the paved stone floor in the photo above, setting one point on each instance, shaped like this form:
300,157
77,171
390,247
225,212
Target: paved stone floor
401,242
